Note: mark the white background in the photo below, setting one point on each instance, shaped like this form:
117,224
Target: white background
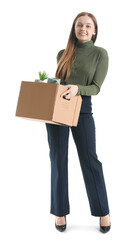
32,32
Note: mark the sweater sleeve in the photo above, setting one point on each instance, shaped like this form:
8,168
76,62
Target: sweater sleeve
59,55
99,76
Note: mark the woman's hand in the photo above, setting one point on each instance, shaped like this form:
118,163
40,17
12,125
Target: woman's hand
71,92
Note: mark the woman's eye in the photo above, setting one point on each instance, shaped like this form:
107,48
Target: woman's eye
79,25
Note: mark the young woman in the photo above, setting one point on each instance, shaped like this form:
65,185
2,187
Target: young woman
83,67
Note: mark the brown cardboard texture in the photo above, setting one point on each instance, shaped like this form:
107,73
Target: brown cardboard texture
42,101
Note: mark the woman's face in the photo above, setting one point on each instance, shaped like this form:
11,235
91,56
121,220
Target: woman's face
84,29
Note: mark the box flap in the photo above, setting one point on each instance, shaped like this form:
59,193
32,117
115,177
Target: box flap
77,110
64,109
32,99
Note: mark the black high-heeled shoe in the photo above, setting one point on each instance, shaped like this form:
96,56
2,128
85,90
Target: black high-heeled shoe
61,228
104,229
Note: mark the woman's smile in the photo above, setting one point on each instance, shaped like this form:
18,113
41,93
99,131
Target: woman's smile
82,34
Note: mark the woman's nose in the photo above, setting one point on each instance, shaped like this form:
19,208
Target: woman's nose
83,27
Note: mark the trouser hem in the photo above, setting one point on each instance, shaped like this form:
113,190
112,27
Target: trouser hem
60,214
100,215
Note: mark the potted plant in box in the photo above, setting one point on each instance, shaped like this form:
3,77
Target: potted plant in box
42,76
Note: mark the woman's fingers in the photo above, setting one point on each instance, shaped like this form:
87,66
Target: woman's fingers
70,92
65,93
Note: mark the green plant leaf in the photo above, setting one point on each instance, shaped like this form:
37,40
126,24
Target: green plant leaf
43,75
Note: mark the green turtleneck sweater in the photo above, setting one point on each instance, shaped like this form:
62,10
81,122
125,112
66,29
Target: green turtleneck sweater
89,68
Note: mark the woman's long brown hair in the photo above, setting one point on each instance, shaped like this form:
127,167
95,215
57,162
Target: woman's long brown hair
65,63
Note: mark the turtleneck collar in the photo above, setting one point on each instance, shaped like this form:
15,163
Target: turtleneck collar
84,44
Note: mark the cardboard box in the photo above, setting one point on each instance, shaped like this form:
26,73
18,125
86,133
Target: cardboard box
42,101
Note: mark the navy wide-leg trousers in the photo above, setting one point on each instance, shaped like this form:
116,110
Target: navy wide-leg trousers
84,138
